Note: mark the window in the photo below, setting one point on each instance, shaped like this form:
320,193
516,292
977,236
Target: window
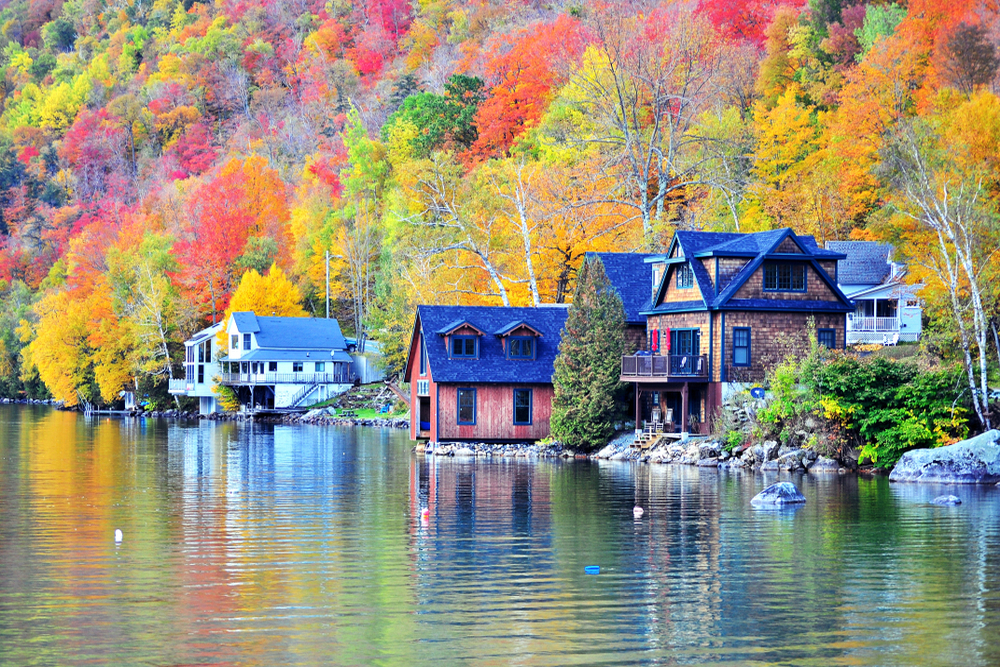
320,366
685,276
423,356
208,351
463,346
466,406
296,366
685,342
272,367
522,406
246,341
521,347
201,354
201,374
911,303
235,341
785,277
827,337
741,346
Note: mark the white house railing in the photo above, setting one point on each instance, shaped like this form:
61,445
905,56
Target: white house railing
285,378
178,385
873,324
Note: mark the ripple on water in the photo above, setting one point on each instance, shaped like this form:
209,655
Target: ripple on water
267,545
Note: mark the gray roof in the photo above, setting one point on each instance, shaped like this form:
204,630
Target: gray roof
204,334
867,262
292,333
318,354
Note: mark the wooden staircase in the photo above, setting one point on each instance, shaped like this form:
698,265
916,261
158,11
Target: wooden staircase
652,433
398,392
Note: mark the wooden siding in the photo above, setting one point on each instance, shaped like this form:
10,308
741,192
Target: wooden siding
728,268
773,336
494,413
816,288
709,264
413,372
698,320
672,294
788,246
635,338
716,351
830,266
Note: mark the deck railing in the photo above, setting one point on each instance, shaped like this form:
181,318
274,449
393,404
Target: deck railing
285,378
676,365
873,324
178,385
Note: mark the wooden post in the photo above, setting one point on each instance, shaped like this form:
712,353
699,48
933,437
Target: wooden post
637,413
684,408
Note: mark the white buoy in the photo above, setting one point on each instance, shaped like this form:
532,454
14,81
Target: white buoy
118,535
637,512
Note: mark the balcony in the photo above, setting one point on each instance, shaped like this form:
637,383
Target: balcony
179,386
676,367
285,378
872,324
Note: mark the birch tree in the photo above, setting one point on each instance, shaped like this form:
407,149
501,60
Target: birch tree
948,202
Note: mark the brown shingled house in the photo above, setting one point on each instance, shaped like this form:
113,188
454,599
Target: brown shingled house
722,309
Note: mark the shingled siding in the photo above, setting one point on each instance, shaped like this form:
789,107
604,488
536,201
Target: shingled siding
788,245
697,320
829,266
773,336
716,363
635,338
674,295
494,413
816,289
728,268
709,264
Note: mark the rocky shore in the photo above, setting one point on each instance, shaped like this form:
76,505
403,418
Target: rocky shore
705,453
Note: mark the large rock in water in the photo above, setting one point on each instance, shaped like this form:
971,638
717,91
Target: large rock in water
973,461
778,495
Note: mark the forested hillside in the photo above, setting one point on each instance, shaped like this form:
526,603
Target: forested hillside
463,151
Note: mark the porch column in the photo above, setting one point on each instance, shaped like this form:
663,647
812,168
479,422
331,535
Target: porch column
684,408
638,414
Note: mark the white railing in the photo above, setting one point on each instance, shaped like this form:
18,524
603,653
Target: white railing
179,385
873,324
282,378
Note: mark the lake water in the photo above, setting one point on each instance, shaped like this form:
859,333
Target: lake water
275,545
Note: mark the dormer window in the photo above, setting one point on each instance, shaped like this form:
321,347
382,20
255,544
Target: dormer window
246,341
784,277
685,276
521,347
464,347
235,341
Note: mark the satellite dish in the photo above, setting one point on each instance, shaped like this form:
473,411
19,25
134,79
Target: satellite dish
757,392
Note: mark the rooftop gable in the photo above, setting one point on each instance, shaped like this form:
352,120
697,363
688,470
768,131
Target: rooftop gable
246,321
492,365
452,327
292,333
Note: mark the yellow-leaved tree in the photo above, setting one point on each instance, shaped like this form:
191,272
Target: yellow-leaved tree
270,295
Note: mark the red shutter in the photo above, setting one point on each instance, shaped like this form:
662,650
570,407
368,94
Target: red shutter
667,335
655,347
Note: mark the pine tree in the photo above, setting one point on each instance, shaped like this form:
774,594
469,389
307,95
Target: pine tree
587,369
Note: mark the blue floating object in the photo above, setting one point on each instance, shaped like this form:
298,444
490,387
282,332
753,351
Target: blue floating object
592,569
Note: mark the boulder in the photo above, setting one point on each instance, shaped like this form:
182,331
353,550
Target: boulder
708,450
824,465
947,500
778,495
708,463
973,461
464,452
770,466
771,448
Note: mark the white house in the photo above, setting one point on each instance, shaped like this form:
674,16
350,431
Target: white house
285,362
887,309
201,366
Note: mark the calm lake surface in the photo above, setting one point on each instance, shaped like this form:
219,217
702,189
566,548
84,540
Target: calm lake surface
275,545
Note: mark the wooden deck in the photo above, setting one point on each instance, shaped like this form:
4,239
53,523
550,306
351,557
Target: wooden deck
673,368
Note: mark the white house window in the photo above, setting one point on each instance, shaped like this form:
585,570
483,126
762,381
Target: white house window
320,366
296,366
246,341
235,341
272,367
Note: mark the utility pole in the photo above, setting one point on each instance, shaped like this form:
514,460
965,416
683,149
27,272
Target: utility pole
326,256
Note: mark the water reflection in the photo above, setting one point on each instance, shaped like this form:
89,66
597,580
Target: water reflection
263,545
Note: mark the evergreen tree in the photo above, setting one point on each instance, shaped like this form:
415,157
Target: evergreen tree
589,362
